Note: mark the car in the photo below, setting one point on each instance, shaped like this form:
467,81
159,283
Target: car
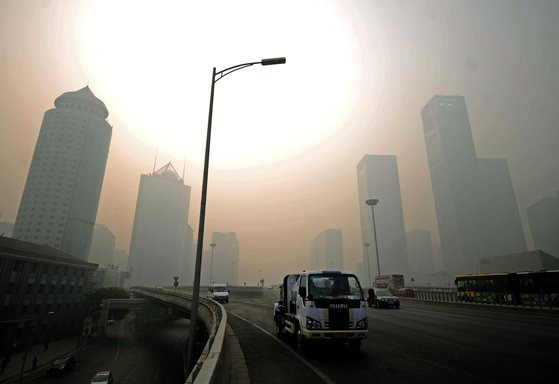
219,292
61,366
383,298
102,377
110,322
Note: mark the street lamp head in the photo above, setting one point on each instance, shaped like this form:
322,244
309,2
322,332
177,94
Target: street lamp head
371,201
273,61
213,245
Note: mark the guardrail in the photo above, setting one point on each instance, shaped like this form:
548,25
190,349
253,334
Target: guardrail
449,295
212,314
440,294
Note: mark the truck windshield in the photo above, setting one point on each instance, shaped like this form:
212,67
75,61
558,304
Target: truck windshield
334,286
220,289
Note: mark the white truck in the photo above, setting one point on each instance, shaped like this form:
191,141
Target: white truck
219,292
322,305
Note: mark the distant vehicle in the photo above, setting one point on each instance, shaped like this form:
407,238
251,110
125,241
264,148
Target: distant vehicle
383,298
219,292
404,292
322,306
61,366
540,288
390,282
103,377
110,322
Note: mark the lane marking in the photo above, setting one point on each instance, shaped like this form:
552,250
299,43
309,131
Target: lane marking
301,358
117,352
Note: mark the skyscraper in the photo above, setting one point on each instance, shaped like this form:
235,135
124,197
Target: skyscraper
102,246
157,246
456,188
543,216
377,177
327,250
504,228
420,253
474,198
61,195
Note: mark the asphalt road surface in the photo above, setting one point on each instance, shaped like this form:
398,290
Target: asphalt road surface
419,343
155,356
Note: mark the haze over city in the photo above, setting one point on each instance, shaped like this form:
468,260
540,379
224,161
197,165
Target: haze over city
286,139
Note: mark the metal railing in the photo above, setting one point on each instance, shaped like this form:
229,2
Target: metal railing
440,294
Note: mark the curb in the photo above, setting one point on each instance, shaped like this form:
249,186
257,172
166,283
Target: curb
237,366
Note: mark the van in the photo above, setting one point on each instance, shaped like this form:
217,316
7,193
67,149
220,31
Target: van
219,292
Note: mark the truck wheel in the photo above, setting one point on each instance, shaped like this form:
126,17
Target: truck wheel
355,345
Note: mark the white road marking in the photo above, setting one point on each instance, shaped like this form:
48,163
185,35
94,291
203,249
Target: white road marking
309,365
128,375
117,351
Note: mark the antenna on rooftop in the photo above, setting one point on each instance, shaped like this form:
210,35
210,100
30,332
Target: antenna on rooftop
183,168
155,160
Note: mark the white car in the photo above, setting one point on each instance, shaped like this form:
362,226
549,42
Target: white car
103,377
219,292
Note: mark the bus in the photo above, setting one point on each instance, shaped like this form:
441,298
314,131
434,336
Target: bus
390,282
536,288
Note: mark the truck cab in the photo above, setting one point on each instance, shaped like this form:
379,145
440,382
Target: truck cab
322,306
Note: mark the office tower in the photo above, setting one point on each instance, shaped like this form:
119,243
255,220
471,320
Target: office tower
420,253
61,195
377,177
102,246
225,268
327,250
543,216
6,229
157,246
456,189
438,260
505,234
120,259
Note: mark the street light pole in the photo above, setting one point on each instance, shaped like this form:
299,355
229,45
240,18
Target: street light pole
198,265
212,264
367,245
372,203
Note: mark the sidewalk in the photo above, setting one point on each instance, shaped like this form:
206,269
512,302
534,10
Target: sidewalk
56,348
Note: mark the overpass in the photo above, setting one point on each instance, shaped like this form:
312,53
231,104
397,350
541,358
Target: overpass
211,315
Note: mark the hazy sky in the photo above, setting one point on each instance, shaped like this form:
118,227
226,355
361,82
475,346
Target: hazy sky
286,139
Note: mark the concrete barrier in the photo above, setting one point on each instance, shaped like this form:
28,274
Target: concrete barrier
214,317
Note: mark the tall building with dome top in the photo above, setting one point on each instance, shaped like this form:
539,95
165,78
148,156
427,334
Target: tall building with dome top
161,242
61,195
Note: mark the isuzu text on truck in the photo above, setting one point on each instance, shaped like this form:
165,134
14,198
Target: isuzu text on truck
322,305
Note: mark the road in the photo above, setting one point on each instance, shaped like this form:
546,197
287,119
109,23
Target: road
152,357
419,343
